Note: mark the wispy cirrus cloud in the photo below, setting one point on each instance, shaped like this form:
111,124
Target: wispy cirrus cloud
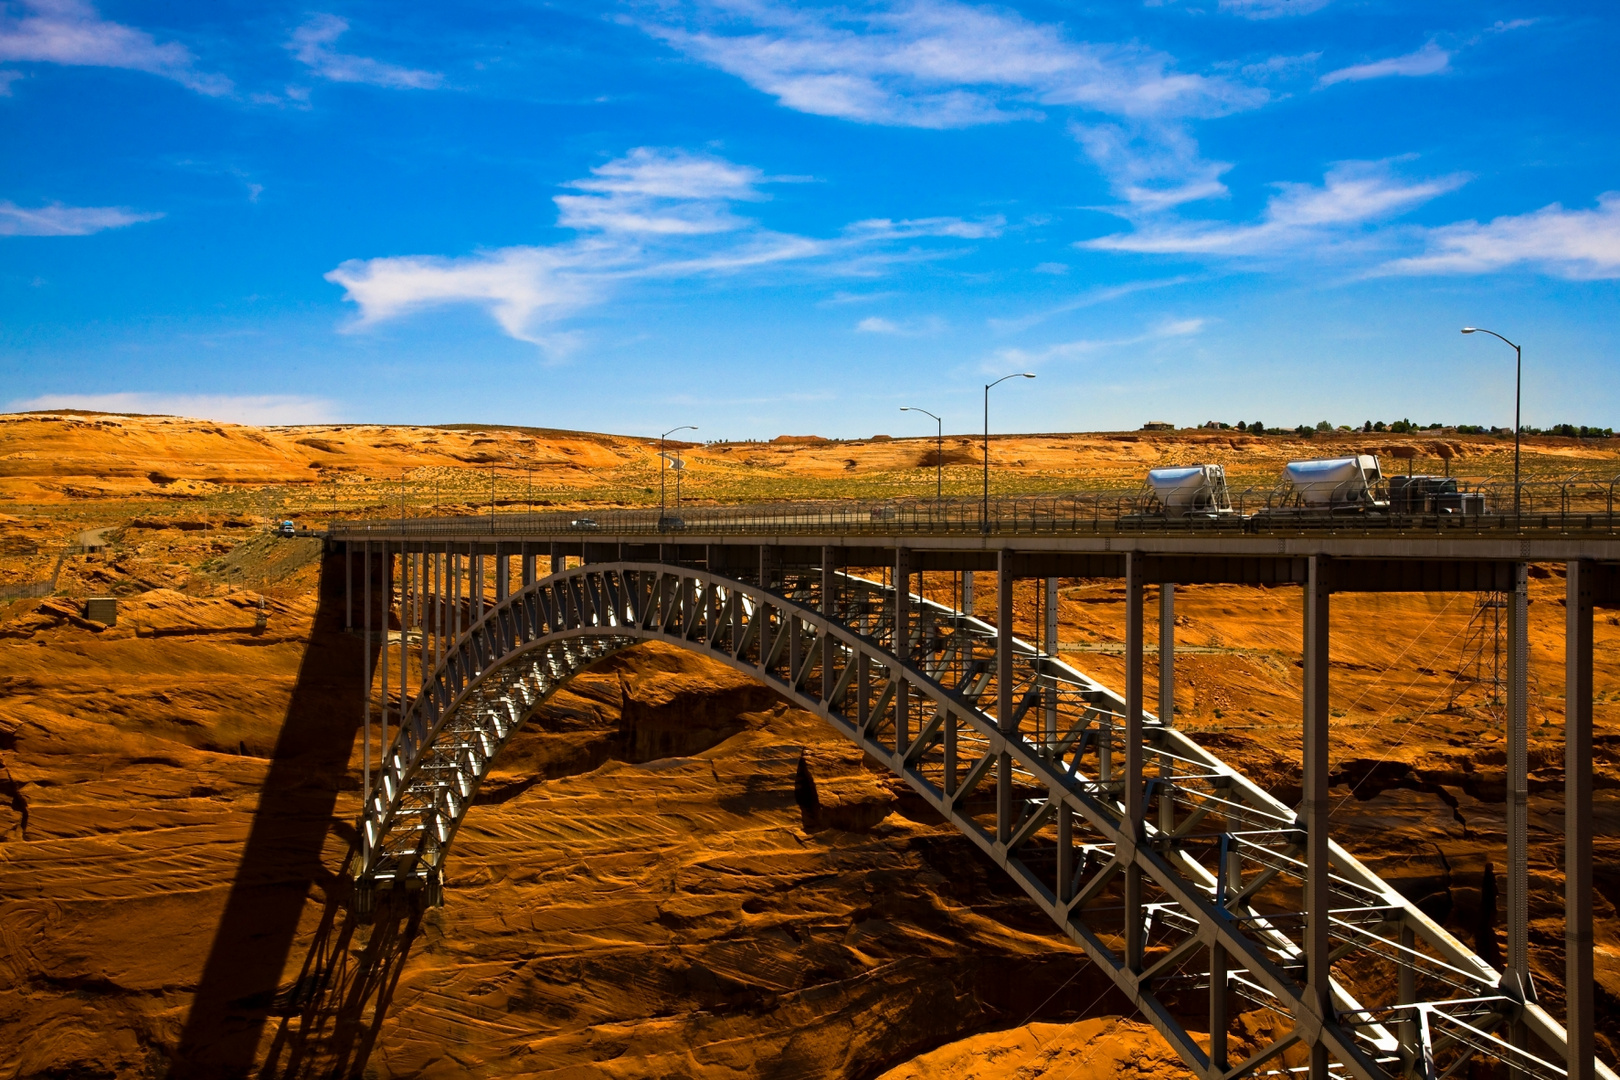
72,32
1089,298
877,324
1431,59
238,409
1072,350
661,192
1337,214
54,219
1576,244
946,64
1272,9
313,46
654,213
910,229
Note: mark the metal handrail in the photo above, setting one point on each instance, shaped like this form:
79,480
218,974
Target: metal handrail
1576,501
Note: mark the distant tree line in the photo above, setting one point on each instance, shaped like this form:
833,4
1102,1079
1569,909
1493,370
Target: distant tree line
1407,426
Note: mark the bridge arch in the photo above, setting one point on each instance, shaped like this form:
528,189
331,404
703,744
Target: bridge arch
1139,845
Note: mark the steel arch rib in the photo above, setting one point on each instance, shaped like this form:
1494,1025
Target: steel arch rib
538,638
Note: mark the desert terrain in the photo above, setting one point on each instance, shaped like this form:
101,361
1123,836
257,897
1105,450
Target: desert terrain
670,872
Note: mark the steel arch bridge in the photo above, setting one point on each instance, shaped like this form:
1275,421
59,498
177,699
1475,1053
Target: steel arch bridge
1184,881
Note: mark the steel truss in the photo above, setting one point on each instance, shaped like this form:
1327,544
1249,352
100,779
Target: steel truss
1183,880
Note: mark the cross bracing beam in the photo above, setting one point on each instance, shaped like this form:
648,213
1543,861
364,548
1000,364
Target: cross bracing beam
1148,898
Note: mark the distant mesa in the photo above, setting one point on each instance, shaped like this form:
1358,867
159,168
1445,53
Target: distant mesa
803,440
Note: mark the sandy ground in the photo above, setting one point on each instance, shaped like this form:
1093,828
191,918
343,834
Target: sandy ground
642,891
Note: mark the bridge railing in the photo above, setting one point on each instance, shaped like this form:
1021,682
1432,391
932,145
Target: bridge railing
1577,502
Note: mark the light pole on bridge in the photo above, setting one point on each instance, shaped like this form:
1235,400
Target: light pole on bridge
1518,383
939,452
984,511
663,466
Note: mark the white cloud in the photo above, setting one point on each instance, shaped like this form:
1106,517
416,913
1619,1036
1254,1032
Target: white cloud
1578,244
910,328
522,287
1070,350
1429,60
250,409
654,213
1352,196
667,192
71,32
913,228
58,220
1272,9
1090,298
1152,167
6,79
946,64
312,45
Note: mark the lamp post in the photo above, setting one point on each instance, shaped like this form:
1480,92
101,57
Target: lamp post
663,465
1518,383
939,452
984,512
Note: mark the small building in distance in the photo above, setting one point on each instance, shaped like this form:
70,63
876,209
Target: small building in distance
1158,425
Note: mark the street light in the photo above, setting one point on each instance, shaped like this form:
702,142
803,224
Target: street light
1518,383
939,452
984,512
663,465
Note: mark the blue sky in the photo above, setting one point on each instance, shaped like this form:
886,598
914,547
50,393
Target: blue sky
763,217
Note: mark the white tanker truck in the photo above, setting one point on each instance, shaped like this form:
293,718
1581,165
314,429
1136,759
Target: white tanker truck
1188,491
1334,483
1314,488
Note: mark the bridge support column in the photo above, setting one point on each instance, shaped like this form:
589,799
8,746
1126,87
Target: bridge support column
559,561
1579,973
348,586
1004,692
1217,1007
1167,654
365,699
422,636
1049,698
1316,944
1132,795
902,647
1167,702
1518,793
526,561
967,592
477,611
503,573
829,605
455,595
767,566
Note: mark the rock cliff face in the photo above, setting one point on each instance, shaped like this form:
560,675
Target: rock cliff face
670,872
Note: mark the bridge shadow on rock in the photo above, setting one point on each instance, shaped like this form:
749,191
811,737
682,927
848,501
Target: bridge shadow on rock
281,861
332,1013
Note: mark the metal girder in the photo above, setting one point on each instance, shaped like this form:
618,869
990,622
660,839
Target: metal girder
1228,886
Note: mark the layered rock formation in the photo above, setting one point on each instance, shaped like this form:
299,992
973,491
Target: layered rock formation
670,873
